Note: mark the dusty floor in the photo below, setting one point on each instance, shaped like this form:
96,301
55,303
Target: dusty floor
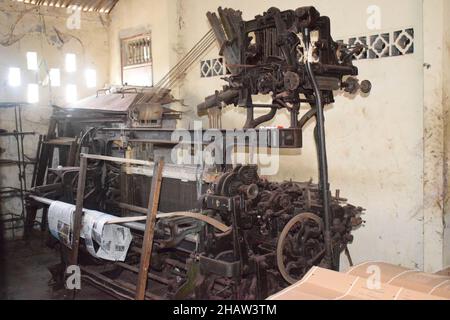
24,274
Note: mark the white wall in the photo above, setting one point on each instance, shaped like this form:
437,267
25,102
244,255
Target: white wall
35,29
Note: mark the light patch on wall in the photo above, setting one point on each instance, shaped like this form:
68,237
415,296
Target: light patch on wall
91,78
32,61
71,62
55,77
14,79
33,93
71,93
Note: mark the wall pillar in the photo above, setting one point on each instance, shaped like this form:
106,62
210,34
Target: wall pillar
434,180
446,103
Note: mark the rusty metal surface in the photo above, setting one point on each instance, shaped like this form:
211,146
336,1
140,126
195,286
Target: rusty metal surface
108,102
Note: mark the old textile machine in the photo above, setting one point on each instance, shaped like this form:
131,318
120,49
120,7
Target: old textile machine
255,237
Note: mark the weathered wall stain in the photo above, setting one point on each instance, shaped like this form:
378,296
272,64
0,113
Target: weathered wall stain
44,30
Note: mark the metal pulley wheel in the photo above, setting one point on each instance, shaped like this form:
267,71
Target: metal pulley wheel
299,246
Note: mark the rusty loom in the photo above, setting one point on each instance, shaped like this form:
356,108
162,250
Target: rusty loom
236,235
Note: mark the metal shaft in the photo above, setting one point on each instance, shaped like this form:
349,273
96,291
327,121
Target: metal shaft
321,153
187,61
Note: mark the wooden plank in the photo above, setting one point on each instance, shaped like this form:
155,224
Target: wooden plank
147,247
118,160
78,212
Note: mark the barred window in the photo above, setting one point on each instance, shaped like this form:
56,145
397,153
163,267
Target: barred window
137,63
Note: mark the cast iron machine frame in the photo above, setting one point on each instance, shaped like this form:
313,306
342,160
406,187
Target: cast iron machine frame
275,54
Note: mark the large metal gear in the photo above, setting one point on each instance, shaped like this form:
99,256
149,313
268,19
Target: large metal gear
300,246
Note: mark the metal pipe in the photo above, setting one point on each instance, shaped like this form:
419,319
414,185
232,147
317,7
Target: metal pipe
321,152
253,123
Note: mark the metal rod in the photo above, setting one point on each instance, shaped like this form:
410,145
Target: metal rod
184,68
117,160
15,133
38,154
22,137
185,58
42,200
78,211
200,47
150,275
195,52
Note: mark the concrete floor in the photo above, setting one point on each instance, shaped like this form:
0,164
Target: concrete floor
24,274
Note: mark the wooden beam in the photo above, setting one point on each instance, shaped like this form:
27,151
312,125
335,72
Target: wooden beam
118,160
147,247
78,212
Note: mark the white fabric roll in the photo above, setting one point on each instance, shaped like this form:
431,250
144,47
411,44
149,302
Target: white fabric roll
113,240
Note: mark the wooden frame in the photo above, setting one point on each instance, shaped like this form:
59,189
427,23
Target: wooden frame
150,221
